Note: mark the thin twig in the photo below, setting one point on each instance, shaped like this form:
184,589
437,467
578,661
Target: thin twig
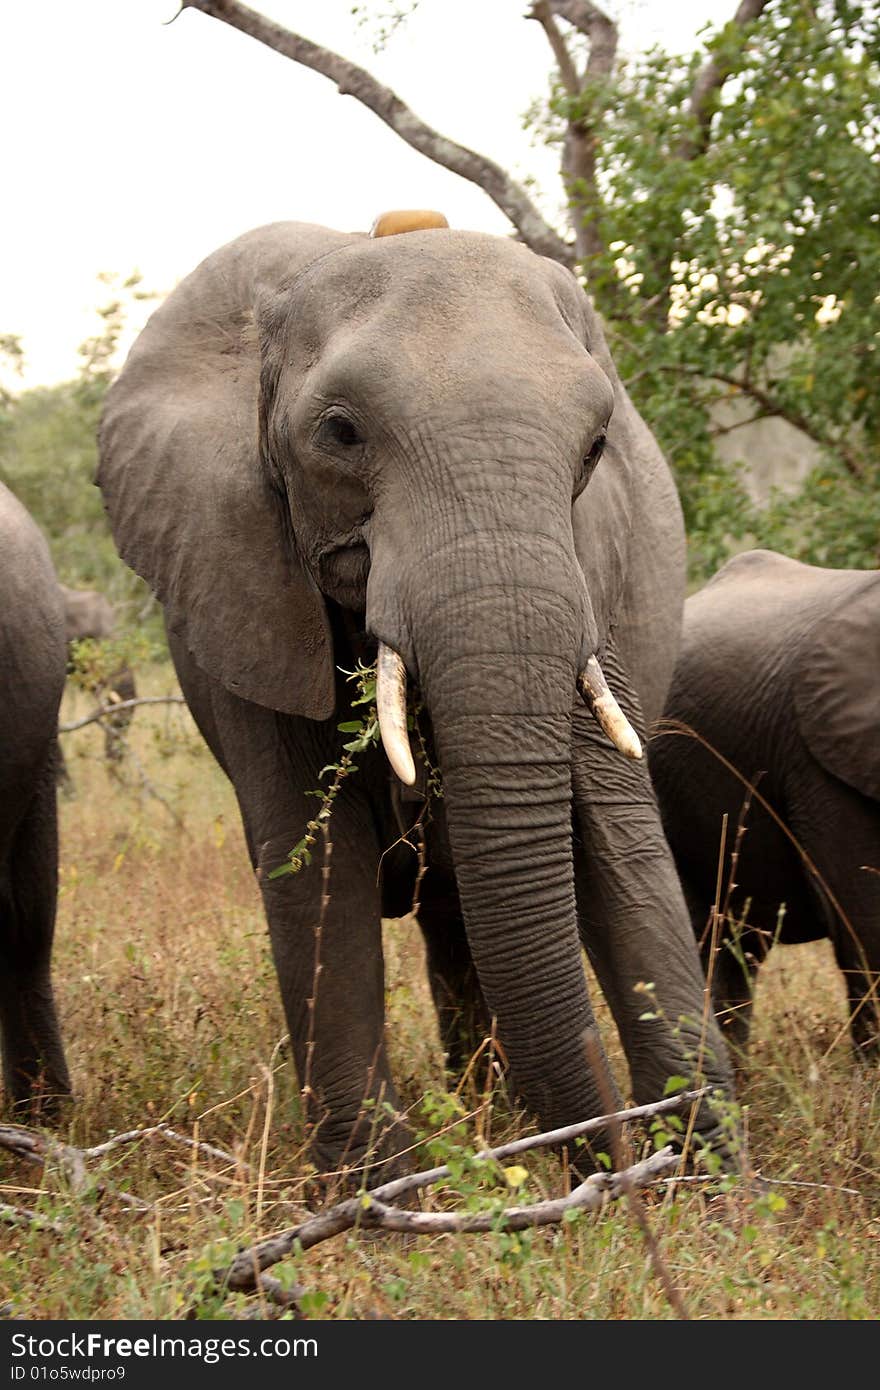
116,707
23,1216
306,1093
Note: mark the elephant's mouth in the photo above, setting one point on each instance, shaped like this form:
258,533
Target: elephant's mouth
341,573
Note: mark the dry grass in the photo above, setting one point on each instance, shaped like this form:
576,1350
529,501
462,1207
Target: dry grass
171,1011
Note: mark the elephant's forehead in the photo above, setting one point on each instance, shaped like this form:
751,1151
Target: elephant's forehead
438,277
443,314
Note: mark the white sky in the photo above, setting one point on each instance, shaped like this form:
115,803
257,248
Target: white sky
133,143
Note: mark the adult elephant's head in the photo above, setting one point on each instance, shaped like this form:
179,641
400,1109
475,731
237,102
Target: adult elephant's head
399,426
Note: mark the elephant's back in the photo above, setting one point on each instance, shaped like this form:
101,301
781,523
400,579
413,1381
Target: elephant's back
759,594
750,627
32,643
29,587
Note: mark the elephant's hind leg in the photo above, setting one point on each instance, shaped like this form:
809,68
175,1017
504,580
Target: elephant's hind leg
462,1015
733,983
34,1069
848,886
729,964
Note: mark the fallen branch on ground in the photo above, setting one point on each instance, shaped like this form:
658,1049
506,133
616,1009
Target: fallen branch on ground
34,1147
373,1209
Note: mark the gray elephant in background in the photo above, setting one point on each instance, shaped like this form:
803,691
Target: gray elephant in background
33,657
327,446
779,674
90,614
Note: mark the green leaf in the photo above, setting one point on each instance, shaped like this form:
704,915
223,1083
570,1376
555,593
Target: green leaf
675,1083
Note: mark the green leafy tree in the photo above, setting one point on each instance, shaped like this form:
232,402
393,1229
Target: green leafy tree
749,247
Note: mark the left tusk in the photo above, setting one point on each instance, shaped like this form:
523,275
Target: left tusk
391,709
607,713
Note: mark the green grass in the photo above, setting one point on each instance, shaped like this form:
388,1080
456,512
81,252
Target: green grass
170,1011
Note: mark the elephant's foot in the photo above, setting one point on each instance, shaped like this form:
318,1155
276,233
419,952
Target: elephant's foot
345,1159
35,1075
41,1099
866,1040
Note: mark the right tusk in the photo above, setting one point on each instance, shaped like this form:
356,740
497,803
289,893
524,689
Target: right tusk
391,709
606,711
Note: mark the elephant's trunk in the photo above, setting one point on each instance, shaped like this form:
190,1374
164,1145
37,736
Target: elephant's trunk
497,666
509,822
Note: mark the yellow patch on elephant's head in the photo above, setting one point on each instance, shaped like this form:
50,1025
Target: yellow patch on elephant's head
406,220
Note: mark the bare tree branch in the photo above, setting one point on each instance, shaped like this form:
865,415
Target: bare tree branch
601,31
710,79
134,1136
771,406
568,73
588,1196
371,1212
37,1148
581,144
355,81
116,706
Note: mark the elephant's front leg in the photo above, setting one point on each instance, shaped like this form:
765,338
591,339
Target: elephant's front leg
328,954
839,830
462,1014
327,947
634,923
34,1070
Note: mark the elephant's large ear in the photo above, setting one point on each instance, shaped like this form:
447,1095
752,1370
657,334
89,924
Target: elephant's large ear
837,696
193,510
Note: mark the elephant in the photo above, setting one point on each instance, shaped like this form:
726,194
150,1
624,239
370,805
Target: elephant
330,448
777,676
33,657
90,614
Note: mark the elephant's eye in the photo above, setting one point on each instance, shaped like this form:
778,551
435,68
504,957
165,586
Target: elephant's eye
595,453
589,463
337,431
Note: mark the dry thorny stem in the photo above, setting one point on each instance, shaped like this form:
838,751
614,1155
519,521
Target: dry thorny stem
309,1099
629,1188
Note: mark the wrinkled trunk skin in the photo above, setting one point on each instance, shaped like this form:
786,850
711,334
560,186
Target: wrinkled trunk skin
497,655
